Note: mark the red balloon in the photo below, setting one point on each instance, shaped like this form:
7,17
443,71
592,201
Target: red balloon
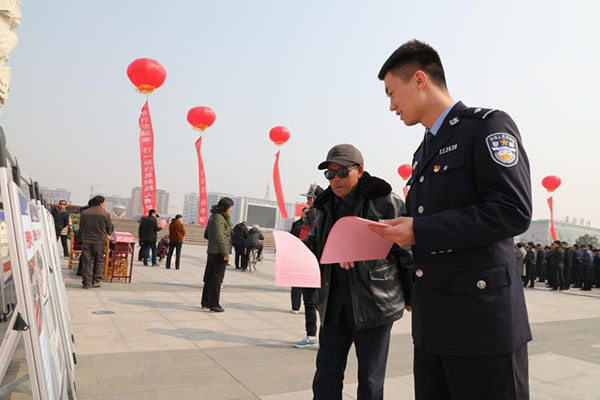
405,171
279,135
146,75
201,117
551,182
162,223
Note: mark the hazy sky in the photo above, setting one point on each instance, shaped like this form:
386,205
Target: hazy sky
311,66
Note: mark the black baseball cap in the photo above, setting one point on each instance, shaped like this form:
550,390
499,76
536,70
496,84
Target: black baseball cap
313,191
344,154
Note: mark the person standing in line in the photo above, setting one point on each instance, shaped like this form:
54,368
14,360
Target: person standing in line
296,292
240,235
470,195
596,280
577,266
95,226
147,232
176,238
568,265
540,266
61,225
587,266
309,294
557,265
530,263
218,233
520,255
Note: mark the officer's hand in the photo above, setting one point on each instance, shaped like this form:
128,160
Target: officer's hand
399,231
408,308
347,265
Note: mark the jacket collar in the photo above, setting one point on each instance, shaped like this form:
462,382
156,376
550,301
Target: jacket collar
369,187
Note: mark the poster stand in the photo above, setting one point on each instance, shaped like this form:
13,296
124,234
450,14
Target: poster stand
41,315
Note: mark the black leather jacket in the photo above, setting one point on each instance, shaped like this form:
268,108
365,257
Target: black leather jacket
379,289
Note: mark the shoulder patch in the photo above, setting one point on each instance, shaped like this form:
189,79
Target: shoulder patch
478,113
503,148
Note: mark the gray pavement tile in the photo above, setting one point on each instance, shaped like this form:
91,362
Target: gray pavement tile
146,395
226,391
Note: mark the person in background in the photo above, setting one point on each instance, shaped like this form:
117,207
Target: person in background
577,266
587,266
557,265
296,292
240,235
530,264
218,233
596,280
163,248
568,262
255,241
61,225
540,266
520,254
147,232
95,226
176,239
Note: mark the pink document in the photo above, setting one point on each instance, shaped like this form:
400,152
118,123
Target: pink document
350,239
295,264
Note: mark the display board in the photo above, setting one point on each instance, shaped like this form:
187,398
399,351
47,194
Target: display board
262,216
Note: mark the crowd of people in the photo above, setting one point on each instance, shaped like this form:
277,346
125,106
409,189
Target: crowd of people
559,266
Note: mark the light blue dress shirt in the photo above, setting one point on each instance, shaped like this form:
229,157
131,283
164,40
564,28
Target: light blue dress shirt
438,122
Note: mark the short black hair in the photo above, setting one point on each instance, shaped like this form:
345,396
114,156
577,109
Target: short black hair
412,56
519,245
96,201
178,216
557,242
151,211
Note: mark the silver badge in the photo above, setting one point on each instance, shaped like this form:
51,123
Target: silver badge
454,121
476,111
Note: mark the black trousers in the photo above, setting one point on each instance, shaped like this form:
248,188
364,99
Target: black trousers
174,246
372,346
213,277
503,377
241,257
92,262
529,275
586,276
558,279
310,310
597,276
578,276
63,242
296,298
146,248
567,276
541,272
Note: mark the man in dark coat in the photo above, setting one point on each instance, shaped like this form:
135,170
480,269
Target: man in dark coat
587,267
61,224
147,235
470,195
577,266
238,240
568,265
357,302
255,241
95,227
530,262
540,265
557,265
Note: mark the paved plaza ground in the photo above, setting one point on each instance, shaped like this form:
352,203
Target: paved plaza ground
158,344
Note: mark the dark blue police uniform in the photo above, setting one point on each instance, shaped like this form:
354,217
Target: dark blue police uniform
470,194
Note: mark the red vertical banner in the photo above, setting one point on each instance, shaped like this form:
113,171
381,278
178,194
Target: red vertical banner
147,158
405,191
202,199
278,189
551,205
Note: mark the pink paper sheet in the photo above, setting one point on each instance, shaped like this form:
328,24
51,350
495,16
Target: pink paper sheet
350,239
295,264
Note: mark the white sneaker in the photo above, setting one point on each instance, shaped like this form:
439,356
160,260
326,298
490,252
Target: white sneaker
309,341
295,311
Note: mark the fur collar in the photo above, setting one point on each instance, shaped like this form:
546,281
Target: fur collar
369,187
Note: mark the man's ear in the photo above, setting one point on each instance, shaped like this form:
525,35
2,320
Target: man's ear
360,169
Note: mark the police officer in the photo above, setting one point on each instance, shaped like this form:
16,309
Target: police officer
470,194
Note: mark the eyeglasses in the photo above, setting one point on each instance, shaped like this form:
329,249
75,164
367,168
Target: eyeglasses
342,172
62,204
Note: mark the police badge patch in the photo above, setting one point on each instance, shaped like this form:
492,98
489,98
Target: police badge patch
503,148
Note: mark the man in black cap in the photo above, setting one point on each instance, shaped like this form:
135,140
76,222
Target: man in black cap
358,302
470,194
300,229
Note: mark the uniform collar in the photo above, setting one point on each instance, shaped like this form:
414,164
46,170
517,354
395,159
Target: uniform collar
440,119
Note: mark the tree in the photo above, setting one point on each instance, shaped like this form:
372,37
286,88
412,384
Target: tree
589,240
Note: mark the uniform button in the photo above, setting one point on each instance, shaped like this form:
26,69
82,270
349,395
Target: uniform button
433,253
441,252
481,284
419,273
421,209
449,251
421,179
445,167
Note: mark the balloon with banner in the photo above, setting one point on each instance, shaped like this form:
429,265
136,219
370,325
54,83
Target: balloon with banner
201,118
279,135
551,183
405,171
147,75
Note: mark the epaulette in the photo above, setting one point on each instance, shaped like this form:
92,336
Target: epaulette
477,112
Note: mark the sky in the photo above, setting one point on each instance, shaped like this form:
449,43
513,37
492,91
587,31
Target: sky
71,118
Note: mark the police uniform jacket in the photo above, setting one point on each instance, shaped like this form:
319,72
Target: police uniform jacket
470,194
377,290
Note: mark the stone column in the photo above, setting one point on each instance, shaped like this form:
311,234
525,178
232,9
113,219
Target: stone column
10,18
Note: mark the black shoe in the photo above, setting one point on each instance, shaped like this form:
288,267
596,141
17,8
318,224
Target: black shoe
531,286
167,267
86,287
217,309
176,267
553,289
145,264
155,265
96,285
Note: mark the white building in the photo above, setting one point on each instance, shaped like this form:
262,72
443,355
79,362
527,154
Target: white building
190,208
540,231
134,211
53,196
